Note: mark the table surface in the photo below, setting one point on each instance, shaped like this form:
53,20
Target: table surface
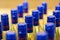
14,3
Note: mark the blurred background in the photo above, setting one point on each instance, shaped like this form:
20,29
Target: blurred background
32,3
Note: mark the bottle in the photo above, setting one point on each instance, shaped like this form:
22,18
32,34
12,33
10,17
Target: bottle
14,21
0,31
20,13
45,7
25,8
10,35
5,22
58,19
41,20
44,4
22,31
41,36
14,16
5,25
56,13
50,29
52,19
29,22
35,14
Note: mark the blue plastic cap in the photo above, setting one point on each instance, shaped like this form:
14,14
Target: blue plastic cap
35,14
14,16
41,11
4,17
40,8
5,21
42,36
22,27
22,31
56,13
45,7
14,12
29,22
25,6
57,7
14,20
20,10
10,35
57,22
51,18
50,27
28,19
29,27
21,35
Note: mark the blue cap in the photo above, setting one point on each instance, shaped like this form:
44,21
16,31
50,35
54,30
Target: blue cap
20,10
45,7
22,36
57,22
42,36
35,14
29,27
22,27
40,8
0,31
10,35
25,6
56,13
57,7
28,19
50,29
5,21
41,11
14,16
51,18
29,22
4,17
22,31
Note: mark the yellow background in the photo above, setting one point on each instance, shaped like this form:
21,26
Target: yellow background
32,3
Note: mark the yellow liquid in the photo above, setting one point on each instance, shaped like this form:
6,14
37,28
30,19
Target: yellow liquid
41,25
45,18
14,28
21,20
35,30
30,36
57,33
4,35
